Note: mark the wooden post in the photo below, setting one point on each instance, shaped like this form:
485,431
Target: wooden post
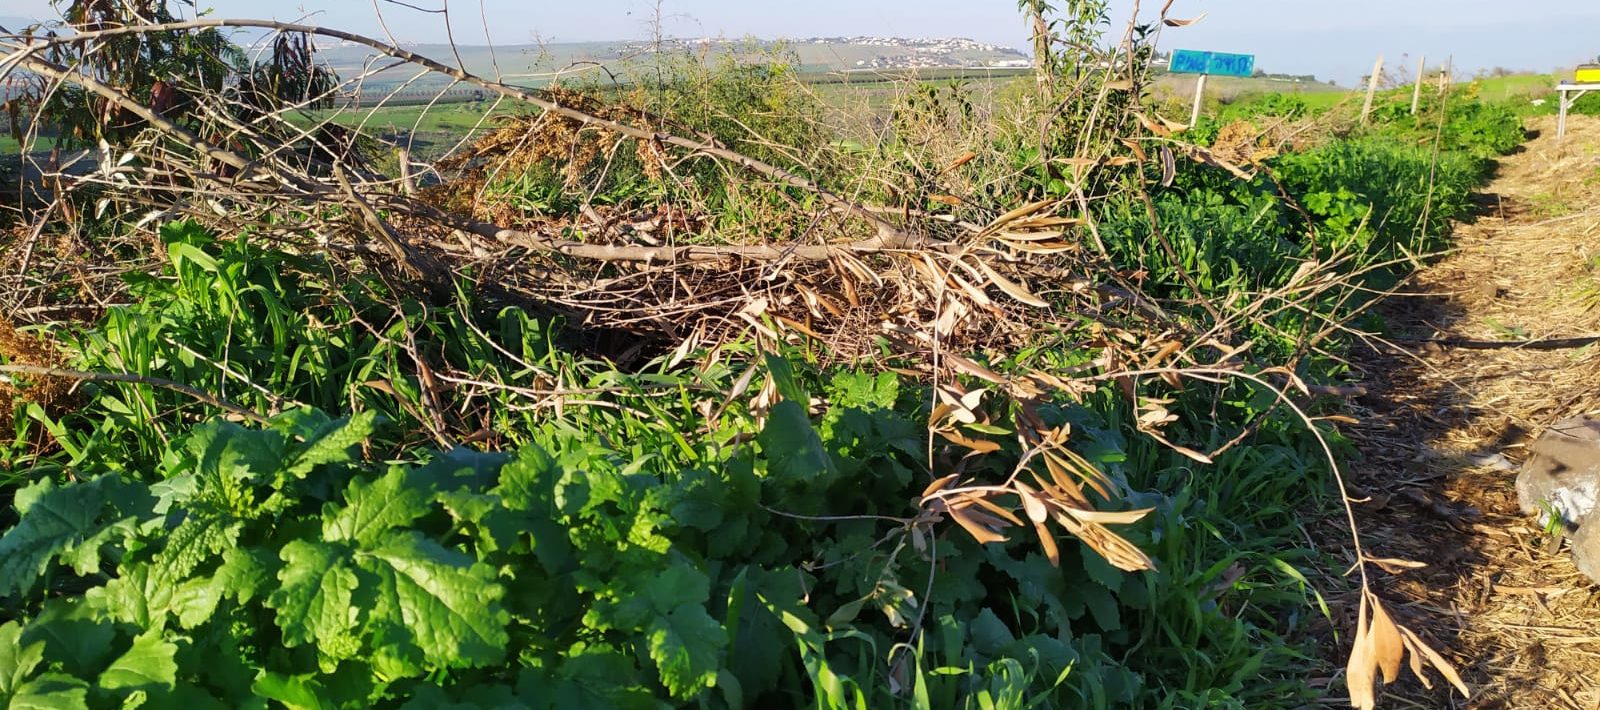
1416,92
1199,98
1372,88
408,184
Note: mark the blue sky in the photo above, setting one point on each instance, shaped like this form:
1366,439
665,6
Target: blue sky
1332,38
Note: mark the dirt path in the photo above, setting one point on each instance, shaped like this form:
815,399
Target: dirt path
1445,427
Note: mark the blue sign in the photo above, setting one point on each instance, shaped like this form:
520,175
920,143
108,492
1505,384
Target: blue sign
1188,61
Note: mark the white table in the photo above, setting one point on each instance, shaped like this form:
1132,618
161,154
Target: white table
1570,93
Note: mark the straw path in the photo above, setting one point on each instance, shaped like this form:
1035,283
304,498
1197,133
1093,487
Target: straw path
1444,429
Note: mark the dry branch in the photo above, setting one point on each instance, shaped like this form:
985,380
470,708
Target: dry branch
700,146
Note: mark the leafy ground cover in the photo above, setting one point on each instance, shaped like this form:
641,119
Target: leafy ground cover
279,474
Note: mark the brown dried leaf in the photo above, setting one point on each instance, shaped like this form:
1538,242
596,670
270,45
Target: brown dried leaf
969,367
1048,542
1126,517
978,532
1152,126
1360,675
1011,288
1396,566
978,446
995,508
965,158
1437,661
1113,547
1035,508
939,485
1387,648
1416,661
1174,22
1138,150
1064,487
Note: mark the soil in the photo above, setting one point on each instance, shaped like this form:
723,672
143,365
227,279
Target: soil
1444,428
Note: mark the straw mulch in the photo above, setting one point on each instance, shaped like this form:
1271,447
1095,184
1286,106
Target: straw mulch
1445,427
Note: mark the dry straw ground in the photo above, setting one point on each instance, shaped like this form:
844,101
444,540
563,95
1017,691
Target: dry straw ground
1445,426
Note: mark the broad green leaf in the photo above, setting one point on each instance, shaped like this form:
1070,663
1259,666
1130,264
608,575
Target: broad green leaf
313,602
243,573
200,536
51,691
990,635
227,452
146,593
677,585
461,468
195,600
528,482
792,447
148,666
686,644
72,635
450,604
373,509
298,692
16,660
51,521
332,443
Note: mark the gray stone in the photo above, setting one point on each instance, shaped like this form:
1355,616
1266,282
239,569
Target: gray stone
1563,475
1562,478
1586,548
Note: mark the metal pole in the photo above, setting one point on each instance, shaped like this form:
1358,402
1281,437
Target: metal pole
1416,92
1199,97
1561,120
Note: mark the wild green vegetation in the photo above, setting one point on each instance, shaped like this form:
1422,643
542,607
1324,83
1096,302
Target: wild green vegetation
396,497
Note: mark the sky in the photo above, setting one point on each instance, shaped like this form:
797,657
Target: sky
1336,39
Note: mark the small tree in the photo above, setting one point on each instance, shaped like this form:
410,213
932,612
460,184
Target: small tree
161,70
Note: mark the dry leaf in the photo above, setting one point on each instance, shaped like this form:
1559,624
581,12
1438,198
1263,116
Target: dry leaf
1396,566
1360,672
1127,517
1436,660
980,446
1048,542
1011,288
983,535
1174,22
963,160
1387,649
939,485
1031,504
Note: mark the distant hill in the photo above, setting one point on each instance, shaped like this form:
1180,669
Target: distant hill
15,23
537,64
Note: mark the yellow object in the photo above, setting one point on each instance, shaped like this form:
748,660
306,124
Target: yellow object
1589,74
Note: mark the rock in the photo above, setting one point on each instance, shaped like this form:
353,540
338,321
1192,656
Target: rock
1563,478
1563,475
1586,548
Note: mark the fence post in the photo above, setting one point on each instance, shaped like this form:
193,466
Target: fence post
407,183
1199,98
1372,88
1416,92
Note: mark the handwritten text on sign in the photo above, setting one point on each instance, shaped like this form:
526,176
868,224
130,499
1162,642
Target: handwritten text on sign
1188,61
